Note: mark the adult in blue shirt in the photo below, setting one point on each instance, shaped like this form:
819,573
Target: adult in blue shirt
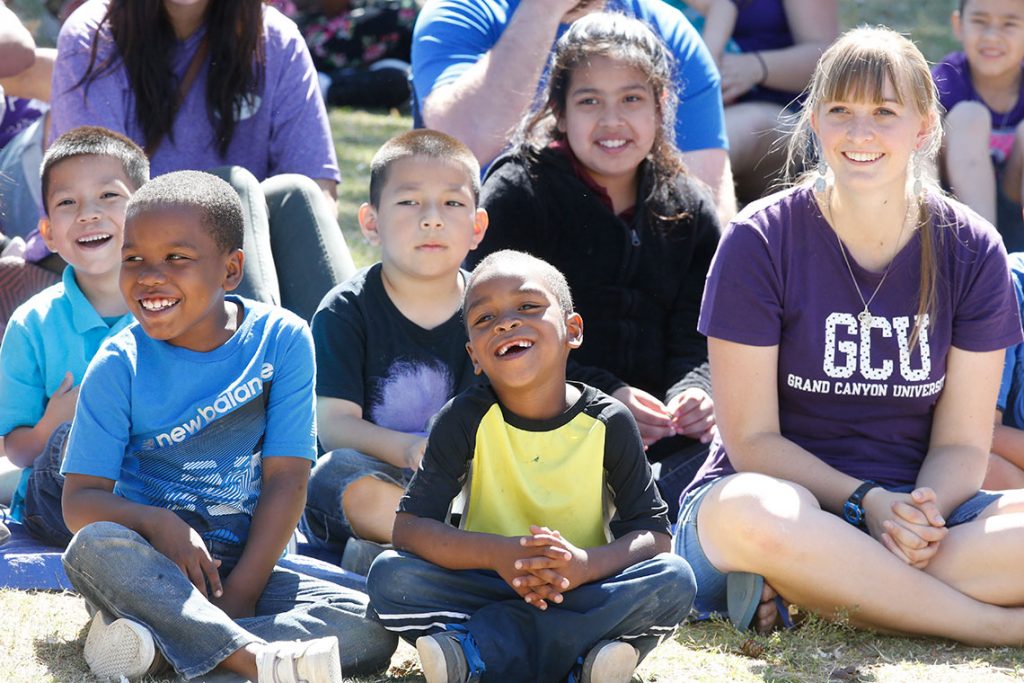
477,65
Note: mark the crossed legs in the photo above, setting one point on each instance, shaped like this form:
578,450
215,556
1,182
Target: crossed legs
750,522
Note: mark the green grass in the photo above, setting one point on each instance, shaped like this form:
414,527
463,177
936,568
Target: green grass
357,135
41,634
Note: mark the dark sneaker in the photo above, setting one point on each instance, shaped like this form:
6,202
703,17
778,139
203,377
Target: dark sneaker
442,658
359,555
610,661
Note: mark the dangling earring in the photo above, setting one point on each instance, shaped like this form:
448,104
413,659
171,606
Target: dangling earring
820,182
918,188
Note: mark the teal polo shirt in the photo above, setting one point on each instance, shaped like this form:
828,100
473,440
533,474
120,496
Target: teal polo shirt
55,331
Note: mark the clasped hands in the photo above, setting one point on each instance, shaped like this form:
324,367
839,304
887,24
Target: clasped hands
544,566
909,525
183,546
691,413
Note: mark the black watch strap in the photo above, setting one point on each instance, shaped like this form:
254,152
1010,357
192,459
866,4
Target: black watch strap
853,508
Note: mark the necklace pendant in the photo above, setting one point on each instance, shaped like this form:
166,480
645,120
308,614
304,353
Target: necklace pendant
865,317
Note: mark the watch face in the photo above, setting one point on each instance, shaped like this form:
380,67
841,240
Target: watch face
852,512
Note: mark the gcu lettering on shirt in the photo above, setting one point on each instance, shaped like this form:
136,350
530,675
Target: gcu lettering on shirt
227,401
855,351
848,346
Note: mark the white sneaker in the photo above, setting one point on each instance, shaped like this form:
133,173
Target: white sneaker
310,661
118,648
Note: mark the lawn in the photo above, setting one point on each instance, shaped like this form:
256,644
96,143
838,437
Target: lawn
41,633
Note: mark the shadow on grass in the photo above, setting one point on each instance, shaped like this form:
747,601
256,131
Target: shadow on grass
824,651
61,656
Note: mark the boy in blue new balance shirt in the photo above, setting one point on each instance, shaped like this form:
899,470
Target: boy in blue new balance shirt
187,465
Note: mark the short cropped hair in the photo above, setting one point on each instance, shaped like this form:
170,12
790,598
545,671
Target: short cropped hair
218,204
510,260
430,144
95,141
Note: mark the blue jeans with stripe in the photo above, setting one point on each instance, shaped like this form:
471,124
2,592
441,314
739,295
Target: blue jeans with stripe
641,605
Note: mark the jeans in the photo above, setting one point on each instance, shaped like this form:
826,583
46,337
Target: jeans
324,521
294,249
116,570
680,457
641,605
43,516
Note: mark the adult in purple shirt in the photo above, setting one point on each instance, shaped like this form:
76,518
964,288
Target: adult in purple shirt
856,329
250,103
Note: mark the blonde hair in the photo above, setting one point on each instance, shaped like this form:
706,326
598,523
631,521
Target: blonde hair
857,67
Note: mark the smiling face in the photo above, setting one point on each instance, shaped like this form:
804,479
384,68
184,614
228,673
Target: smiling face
519,336
86,200
610,120
174,276
869,145
992,33
426,221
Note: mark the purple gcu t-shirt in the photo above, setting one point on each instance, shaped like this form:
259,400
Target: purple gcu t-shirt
859,398
952,78
282,130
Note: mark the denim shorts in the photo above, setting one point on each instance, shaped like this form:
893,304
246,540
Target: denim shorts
711,583
323,521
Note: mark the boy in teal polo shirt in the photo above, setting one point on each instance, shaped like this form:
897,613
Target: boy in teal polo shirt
88,174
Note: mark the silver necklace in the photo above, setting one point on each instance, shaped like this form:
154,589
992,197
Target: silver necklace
864,317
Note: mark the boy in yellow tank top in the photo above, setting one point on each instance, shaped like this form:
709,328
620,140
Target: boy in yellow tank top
560,567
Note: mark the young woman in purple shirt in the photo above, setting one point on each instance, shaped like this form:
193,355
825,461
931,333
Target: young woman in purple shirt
856,328
218,85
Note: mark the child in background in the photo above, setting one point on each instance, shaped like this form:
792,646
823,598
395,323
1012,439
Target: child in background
595,186
543,578
982,91
187,464
389,342
1006,463
88,175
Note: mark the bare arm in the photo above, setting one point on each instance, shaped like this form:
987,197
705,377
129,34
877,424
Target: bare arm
330,190
17,47
486,101
636,546
745,386
1008,442
713,168
34,82
555,565
814,25
87,499
719,22
452,548
962,428
282,499
24,444
340,424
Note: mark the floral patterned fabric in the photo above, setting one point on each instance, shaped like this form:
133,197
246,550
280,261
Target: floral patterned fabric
378,29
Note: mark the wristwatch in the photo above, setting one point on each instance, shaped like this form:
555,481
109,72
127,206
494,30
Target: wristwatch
853,510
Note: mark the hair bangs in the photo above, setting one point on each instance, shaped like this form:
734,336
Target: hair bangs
860,76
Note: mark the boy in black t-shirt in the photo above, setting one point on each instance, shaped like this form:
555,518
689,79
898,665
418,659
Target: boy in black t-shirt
561,562
389,341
